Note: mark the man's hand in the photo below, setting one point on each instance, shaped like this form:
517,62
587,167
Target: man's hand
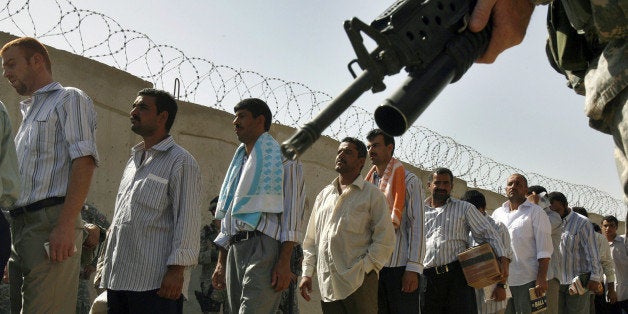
62,242
281,275
499,293
93,236
541,286
595,287
510,19
306,287
172,283
218,277
409,281
611,296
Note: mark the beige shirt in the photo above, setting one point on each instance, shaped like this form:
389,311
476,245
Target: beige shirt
348,236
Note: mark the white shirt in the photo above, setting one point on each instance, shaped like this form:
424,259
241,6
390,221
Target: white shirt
530,239
349,235
58,126
619,252
157,219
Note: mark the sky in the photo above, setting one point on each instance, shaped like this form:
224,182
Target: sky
517,111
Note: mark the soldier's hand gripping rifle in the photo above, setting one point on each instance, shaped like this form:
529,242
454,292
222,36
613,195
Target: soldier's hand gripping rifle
428,38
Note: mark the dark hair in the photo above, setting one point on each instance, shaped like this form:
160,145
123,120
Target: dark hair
442,170
164,102
558,197
611,218
537,189
257,107
581,211
387,138
474,197
29,46
596,227
359,145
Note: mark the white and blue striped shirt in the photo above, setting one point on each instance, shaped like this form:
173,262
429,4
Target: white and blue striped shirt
58,126
579,250
409,237
157,218
287,226
447,231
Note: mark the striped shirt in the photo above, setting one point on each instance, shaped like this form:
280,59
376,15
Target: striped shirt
530,239
9,176
447,231
577,245
555,266
409,238
283,227
58,126
157,218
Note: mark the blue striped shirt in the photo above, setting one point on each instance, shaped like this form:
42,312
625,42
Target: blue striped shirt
287,226
579,250
157,218
409,238
447,231
58,126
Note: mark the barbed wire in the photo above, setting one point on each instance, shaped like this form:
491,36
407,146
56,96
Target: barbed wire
61,24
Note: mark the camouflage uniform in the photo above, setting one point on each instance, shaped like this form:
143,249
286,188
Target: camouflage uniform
289,298
607,75
89,258
5,304
209,299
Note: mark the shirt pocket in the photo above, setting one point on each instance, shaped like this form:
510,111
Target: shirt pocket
152,193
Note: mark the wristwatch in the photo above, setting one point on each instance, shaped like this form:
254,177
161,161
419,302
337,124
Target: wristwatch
501,285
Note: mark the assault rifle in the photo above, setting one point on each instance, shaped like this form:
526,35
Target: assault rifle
429,38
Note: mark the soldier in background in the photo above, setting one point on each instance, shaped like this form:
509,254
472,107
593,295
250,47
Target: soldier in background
209,298
95,226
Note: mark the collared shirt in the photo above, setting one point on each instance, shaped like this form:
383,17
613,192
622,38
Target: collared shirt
577,245
447,231
58,126
157,218
283,227
9,176
619,252
557,224
348,235
409,238
530,239
604,249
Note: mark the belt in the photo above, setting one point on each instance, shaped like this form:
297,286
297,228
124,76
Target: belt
243,236
33,207
441,270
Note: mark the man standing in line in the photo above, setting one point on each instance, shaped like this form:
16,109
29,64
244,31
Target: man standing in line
57,155
153,238
349,237
580,256
538,195
399,279
258,231
619,253
494,301
448,222
531,242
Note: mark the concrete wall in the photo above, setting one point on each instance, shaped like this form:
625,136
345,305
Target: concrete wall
207,133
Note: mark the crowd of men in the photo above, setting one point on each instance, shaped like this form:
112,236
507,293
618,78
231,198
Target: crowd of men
374,241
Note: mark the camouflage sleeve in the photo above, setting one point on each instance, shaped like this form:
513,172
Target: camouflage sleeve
609,18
